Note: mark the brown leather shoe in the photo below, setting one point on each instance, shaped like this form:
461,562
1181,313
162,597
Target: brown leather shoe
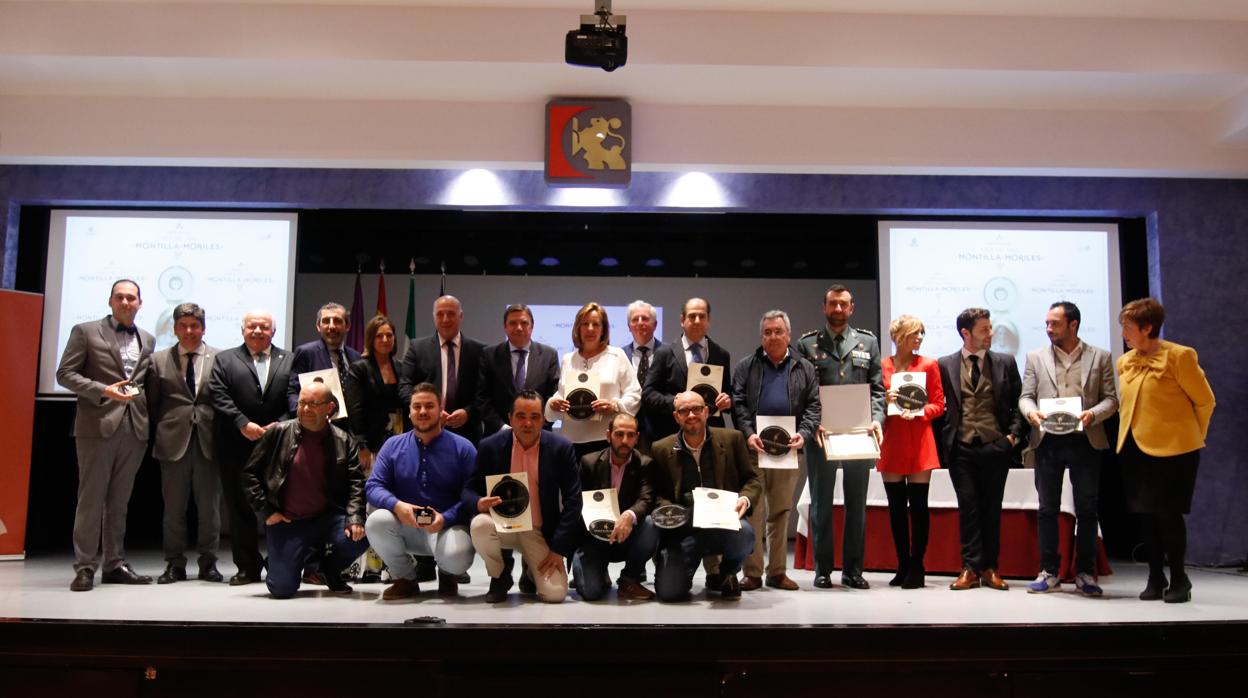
633,591
401,589
967,580
780,581
991,579
751,583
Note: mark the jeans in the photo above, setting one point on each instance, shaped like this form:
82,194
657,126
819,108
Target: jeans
1054,456
683,550
292,544
451,547
589,565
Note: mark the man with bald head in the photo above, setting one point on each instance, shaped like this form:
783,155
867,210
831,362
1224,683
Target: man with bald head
304,477
450,361
248,391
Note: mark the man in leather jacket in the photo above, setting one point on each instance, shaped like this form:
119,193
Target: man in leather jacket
305,478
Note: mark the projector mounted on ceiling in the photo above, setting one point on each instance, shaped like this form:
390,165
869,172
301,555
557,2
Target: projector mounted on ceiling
600,41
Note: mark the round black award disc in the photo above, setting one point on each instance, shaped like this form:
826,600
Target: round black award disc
581,403
670,516
515,497
601,529
708,394
775,440
911,396
1060,423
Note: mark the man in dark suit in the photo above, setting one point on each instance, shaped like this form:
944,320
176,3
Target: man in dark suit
702,456
634,539
450,361
843,355
669,372
333,322
248,392
642,323
179,403
550,464
979,435
514,365
103,364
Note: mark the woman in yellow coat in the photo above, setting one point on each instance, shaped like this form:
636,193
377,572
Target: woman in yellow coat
1165,410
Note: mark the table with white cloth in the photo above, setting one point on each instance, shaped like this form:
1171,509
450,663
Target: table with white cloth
1020,551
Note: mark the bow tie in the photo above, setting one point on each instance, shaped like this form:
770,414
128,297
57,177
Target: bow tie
128,329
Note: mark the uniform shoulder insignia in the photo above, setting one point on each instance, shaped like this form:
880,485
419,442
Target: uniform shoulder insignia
811,333
859,330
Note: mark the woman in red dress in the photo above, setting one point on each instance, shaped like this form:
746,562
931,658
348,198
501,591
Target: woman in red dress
908,453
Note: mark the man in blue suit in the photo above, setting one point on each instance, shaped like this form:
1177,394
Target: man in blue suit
330,351
642,323
550,464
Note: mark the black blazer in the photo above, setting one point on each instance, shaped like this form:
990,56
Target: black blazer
636,490
423,364
238,398
495,384
668,376
559,485
642,420
312,356
1006,387
369,403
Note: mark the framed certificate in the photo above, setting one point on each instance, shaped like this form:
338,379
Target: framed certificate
846,420
581,390
600,509
512,515
329,377
706,380
1061,415
714,508
776,433
911,387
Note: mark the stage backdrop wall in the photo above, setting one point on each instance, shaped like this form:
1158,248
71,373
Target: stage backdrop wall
1196,228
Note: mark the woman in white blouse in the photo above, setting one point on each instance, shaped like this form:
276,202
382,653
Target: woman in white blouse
618,389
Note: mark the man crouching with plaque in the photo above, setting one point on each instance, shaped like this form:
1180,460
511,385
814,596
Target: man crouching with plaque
633,538
550,530
305,478
416,485
699,456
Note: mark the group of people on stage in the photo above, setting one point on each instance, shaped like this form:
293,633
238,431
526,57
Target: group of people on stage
406,471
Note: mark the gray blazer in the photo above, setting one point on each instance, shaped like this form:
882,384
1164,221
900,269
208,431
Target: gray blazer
1100,394
92,362
176,413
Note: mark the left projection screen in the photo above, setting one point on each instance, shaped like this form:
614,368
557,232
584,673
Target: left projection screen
227,262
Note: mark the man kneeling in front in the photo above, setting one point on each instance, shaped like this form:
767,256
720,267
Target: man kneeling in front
305,478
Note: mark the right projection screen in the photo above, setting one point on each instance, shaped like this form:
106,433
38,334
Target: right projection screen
935,269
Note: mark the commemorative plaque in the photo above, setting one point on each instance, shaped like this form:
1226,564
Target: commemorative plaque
776,432
911,390
512,514
846,420
425,516
669,516
581,390
714,508
706,380
1061,415
600,509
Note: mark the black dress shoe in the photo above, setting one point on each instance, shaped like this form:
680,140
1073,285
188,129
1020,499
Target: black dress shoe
730,588
823,581
714,582
463,578
499,586
448,584
208,573
244,577
527,586
124,575
426,569
84,580
337,584
854,581
172,574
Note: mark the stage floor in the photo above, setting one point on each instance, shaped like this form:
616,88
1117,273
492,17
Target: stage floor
39,589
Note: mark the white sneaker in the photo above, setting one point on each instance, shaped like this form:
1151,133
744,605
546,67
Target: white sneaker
1044,583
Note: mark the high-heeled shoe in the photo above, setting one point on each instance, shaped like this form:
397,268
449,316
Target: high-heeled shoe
916,577
1155,589
1180,591
903,570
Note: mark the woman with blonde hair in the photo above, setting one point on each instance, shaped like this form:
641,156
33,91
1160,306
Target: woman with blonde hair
1166,403
908,453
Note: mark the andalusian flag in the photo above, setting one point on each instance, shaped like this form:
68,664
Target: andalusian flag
409,329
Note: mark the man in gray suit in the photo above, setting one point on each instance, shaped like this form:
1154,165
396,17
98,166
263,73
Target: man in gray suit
104,363
1068,368
178,400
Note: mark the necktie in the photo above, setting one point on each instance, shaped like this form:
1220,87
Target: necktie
190,372
837,342
696,351
520,355
974,371
449,393
643,366
262,369
342,366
